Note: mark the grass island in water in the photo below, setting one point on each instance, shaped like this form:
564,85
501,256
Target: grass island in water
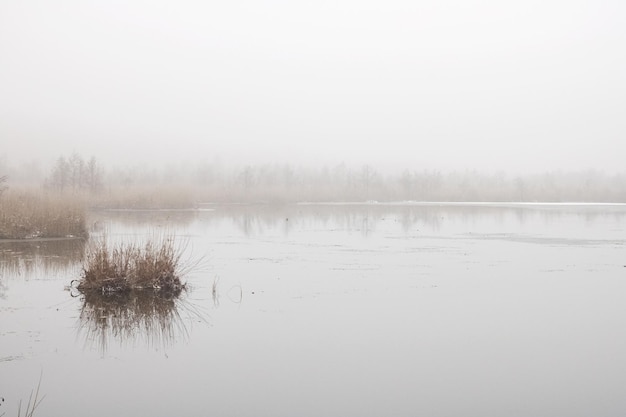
155,265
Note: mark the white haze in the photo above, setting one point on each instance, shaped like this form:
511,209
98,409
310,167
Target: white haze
446,84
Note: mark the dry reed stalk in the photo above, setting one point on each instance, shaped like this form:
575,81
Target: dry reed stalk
33,402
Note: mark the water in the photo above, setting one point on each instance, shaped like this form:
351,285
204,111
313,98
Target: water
333,310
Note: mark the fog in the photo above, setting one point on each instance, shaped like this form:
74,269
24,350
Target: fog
521,87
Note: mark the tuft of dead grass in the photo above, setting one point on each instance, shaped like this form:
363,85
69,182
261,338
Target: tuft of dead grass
27,214
155,265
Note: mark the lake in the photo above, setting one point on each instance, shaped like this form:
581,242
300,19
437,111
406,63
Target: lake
332,310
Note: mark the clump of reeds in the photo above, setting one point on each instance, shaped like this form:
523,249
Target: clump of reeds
155,265
30,214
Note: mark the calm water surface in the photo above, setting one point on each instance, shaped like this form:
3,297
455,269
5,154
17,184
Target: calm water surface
332,310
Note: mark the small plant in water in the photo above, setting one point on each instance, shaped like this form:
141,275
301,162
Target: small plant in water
155,265
33,402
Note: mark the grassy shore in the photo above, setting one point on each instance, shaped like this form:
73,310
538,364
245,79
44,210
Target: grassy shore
27,214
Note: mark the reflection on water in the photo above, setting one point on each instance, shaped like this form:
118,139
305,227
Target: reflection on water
365,218
3,289
152,318
255,219
38,257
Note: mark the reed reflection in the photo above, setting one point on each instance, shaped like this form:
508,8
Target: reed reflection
364,218
40,257
257,219
156,319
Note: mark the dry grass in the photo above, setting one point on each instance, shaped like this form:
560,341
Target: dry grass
33,401
155,265
28,214
145,198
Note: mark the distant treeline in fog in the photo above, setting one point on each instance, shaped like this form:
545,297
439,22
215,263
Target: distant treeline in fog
280,183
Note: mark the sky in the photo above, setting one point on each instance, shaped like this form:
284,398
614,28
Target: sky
518,86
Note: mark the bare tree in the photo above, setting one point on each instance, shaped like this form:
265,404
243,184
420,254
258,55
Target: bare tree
247,178
76,174
76,168
3,182
59,176
93,175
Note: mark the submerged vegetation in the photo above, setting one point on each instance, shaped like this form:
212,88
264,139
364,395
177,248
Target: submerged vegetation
155,265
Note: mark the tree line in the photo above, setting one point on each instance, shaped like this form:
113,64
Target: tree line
221,182
75,174
287,183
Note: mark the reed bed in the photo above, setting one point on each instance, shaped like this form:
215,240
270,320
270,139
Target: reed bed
172,197
155,265
28,214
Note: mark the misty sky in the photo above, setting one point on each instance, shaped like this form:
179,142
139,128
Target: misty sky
449,84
